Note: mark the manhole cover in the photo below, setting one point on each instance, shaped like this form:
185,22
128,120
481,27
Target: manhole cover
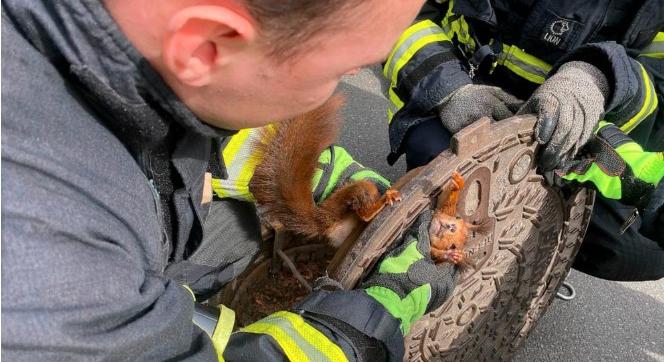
534,234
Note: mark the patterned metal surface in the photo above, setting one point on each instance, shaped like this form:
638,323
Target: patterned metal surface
522,256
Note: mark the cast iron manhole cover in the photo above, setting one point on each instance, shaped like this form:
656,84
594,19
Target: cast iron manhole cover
522,258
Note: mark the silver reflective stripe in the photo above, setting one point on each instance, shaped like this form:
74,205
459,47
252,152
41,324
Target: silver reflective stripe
407,45
352,169
326,174
505,57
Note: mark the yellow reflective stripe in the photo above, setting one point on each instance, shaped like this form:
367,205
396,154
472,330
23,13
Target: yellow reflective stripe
458,27
397,53
229,153
330,350
222,332
243,179
523,64
405,53
235,144
659,55
390,115
287,344
649,103
298,340
408,54
241,162
405,37
395,104
314,337
656,48
395,100
218,188
413,39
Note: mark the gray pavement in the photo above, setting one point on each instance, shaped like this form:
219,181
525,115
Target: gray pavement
607,321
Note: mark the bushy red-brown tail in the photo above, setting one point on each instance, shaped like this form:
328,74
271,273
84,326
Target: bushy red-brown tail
288,154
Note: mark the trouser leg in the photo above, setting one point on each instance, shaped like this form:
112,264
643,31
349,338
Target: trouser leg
607,254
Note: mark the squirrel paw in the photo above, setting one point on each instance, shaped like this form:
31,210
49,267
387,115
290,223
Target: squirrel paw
392,196
457,181
454,256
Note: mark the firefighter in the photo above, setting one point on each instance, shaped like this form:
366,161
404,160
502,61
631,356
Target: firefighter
111,112
593,74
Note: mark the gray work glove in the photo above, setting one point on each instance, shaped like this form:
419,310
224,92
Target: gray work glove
568,106
474,101
407,282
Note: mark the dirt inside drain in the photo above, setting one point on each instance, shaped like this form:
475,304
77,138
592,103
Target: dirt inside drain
279,291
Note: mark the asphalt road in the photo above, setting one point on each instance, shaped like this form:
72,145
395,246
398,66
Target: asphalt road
607,321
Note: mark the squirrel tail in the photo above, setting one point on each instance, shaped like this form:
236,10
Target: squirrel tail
288,155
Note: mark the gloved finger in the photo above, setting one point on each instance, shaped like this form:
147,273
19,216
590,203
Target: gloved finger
555,177
549,157
454,119
575,121
546,108
501,111
423,242
559,143
591,120
579,167
566,158
441,280
511,102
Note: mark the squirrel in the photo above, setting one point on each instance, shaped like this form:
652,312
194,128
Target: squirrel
447,232
281,184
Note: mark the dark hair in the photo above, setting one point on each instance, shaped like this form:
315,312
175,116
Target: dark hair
288,24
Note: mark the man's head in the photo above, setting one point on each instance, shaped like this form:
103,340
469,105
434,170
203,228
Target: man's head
245,63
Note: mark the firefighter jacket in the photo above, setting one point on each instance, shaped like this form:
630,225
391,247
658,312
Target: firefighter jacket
517,44
103,171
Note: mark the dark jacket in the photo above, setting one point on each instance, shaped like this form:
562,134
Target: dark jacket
516,45
609,34
102,184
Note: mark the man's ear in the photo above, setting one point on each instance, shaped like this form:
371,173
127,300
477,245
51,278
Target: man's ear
200,38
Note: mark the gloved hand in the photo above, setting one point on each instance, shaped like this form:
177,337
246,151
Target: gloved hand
407,282
568,106
618,167
473,101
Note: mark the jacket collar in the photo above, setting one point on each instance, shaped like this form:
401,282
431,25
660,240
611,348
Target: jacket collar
82,40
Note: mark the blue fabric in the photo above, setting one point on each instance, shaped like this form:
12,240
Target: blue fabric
429,92
424,142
